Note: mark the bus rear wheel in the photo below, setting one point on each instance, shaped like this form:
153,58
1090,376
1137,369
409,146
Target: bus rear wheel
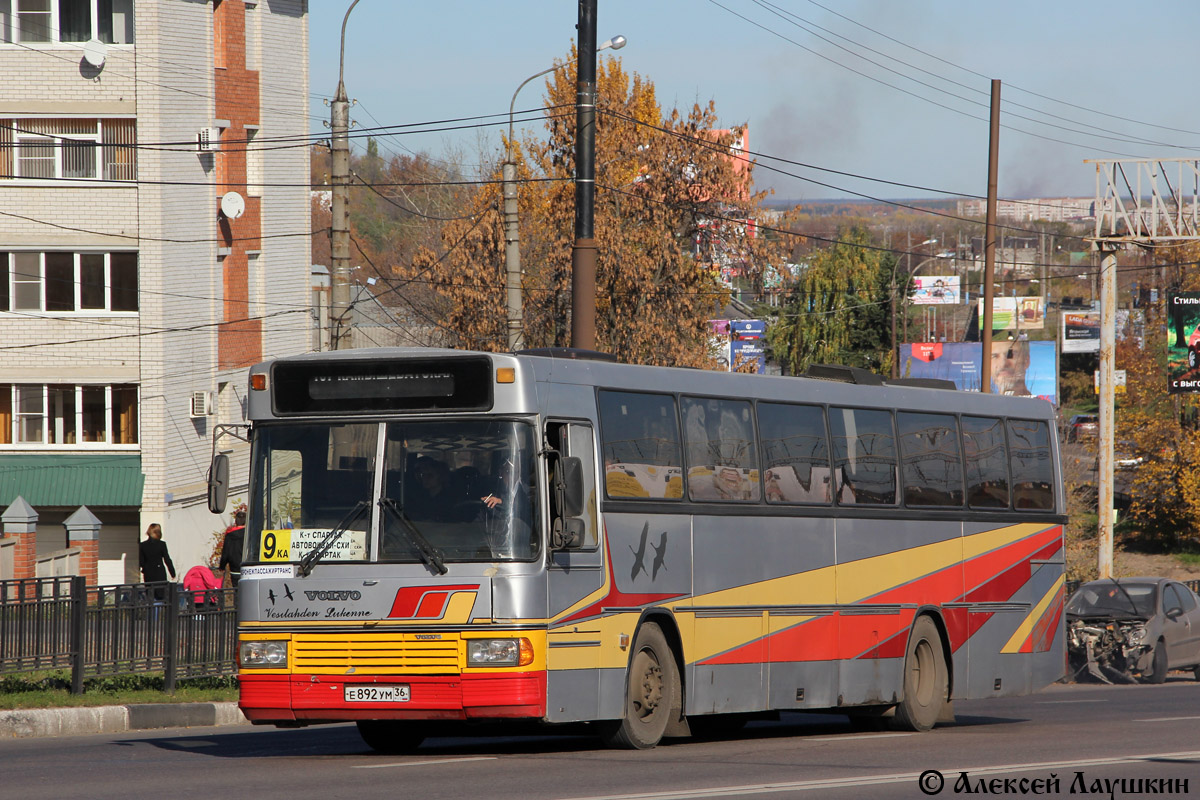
926,679
649,689
390,737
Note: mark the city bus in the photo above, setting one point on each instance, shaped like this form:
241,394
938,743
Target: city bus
437,537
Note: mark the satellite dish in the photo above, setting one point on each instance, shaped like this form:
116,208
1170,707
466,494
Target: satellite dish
232,205
94,52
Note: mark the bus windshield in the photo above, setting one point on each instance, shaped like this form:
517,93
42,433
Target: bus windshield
449,491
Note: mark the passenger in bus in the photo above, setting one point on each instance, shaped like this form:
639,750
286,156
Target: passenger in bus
509,521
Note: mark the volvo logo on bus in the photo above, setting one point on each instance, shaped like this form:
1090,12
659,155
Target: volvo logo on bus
335,594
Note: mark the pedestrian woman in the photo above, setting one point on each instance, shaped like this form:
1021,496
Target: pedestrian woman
154,559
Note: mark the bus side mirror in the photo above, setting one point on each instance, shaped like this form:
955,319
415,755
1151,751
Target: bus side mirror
567,530
570,486
218,483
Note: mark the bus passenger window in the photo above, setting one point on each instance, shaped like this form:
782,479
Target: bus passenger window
932,465
1032,470
986,459
795,452
721,460
864,456
641,445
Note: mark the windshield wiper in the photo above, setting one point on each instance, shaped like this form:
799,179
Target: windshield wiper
429,554
314,555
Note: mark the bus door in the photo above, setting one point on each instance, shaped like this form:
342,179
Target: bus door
573,657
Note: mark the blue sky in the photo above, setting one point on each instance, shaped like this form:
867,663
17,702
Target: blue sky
1093,62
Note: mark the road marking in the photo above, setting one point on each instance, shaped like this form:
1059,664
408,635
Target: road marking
423,763
1166,719
856,736
1060,702
874,780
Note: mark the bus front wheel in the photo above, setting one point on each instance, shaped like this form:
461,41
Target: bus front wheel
649,689
926,679
390,737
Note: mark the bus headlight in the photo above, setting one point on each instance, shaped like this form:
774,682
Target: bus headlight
499,652
270,654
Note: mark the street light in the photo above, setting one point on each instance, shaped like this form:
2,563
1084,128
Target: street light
512,250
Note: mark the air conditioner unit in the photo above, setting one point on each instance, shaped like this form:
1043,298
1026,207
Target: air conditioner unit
208,140
201,405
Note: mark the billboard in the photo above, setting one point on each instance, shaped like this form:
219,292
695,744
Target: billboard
1018,367
1183,342
1081,331
1016,313
936,290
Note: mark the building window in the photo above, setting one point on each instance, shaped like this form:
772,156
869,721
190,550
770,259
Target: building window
68,415
74,21
69,282
252,36
79,149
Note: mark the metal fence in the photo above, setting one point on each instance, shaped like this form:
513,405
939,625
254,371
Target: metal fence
62,623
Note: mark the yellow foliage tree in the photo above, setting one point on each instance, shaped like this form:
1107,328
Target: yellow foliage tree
664,183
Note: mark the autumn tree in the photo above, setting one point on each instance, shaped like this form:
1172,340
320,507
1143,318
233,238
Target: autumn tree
1160,429
662,179
838,311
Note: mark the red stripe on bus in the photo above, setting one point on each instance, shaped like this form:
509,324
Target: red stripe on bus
408,603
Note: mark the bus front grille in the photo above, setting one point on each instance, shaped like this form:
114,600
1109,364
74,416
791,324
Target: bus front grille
380,654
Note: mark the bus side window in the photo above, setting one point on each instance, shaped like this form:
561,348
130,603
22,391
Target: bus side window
1032,469
986,460
722,465
932,464
864,452
795,453
641,445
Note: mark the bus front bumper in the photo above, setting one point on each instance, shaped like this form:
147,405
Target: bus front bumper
284,698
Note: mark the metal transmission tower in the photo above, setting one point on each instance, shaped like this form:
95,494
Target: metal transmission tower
1138,202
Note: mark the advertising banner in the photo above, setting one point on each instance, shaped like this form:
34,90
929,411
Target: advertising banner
744,350
1016,313
1183,342
935,290
1081,331
1020,368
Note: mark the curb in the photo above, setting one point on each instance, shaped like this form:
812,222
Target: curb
40,722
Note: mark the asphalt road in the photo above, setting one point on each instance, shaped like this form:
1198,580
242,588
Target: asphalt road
1098,733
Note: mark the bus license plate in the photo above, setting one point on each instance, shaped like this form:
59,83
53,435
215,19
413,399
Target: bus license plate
377,694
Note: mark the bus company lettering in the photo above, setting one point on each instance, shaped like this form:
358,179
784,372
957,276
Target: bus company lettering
338,594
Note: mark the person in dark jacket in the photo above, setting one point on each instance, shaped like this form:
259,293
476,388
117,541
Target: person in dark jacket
154,559
231,548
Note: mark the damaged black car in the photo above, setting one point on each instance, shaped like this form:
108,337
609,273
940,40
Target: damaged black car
1132,629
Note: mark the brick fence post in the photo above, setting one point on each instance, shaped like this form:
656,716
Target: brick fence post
20,522
83,531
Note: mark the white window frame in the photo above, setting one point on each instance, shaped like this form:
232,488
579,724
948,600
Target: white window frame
10,24
60,145
48,418
77,290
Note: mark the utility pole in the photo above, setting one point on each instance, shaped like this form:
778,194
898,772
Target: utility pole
1108,416
512,251
583,254
339,244
989,240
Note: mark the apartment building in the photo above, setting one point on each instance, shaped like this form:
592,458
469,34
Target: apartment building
154,243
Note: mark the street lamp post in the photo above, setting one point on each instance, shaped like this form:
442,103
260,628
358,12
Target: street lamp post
512,250
339,244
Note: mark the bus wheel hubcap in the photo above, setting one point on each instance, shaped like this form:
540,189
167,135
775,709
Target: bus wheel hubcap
649,696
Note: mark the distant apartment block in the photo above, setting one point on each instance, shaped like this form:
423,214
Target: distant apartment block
1048,209
154,243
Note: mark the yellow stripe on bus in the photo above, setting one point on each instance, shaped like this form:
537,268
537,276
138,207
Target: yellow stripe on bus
1026,627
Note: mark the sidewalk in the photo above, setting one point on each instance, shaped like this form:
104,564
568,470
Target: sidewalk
35,722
